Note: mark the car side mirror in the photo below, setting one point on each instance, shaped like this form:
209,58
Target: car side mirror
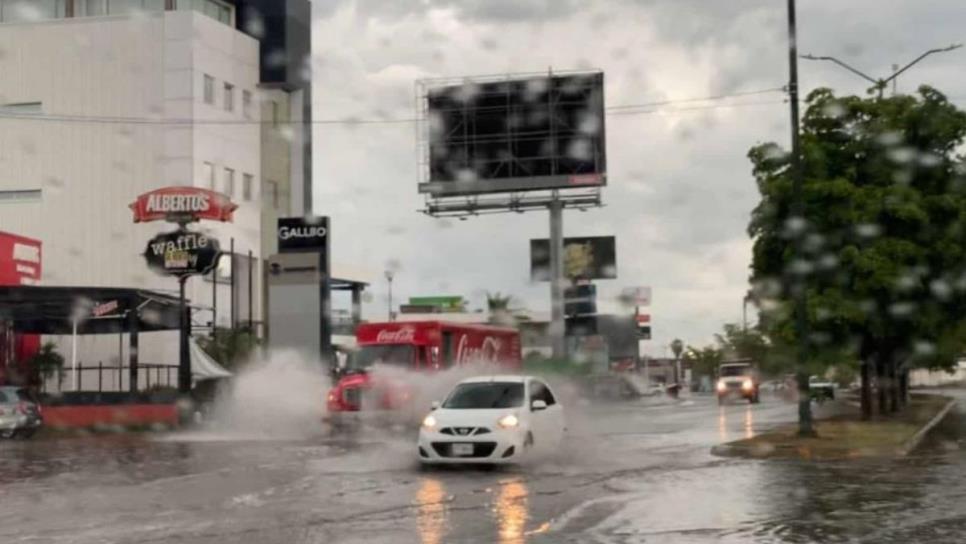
434,405
538,405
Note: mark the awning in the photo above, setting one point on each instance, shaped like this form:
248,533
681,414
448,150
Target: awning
203,367
49,310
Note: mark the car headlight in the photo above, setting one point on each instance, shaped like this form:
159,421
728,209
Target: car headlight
429,422
722,386
508,421
747,385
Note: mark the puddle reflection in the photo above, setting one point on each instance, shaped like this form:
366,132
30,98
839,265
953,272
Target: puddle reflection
749,420
433,514
511,510
722,424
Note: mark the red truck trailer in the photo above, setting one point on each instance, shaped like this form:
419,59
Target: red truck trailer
420,347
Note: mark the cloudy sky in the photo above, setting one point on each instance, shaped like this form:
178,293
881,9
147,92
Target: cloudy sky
680,188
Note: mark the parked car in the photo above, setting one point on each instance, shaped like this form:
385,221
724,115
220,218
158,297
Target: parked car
490,420
19,413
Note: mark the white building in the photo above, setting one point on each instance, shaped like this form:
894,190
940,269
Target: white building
103,100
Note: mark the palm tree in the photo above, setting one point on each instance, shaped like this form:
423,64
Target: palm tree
47,362
499,306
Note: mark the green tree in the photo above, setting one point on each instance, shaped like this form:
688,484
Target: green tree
231,348
883,237
704,361
47,362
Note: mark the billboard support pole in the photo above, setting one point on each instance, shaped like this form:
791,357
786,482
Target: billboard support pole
556,279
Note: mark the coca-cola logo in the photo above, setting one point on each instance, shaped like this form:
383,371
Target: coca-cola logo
488,352
399,336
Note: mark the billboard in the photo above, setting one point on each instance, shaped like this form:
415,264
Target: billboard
19,260
302,234
587,258
523,134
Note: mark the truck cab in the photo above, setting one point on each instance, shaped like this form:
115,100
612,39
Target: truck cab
738,379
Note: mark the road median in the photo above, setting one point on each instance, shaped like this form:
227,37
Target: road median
846,436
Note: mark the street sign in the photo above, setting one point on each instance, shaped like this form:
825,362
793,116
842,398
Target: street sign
636,296
182,253
182,205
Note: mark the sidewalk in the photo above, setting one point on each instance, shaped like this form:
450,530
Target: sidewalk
843,435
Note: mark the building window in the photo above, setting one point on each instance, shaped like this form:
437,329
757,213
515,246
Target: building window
229,182
229,97
209,90
17,11
216,9
23,195
271,190
209,174
247,181
22,108
247,103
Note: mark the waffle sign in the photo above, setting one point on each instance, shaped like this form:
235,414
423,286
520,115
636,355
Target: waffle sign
182,253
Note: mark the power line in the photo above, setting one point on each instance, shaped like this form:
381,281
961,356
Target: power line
625,109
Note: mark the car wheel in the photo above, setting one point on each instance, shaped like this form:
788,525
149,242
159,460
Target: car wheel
7,434
25,433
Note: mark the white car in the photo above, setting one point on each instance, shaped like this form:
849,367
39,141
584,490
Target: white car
492,419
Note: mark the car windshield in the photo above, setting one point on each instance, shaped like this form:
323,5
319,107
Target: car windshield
734,370
485,395
397,355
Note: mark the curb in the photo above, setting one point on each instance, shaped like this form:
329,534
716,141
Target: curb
920,435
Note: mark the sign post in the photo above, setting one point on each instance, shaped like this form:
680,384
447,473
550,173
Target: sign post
182,253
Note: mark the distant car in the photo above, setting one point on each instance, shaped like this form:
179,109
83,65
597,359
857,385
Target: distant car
738,379
821,390
491,420
19,414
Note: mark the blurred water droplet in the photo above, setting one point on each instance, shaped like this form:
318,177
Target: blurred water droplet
902,155
901,309
868,230
890,138
834,109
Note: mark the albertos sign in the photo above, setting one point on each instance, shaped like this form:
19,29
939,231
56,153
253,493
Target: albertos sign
182,253
302,234
182,204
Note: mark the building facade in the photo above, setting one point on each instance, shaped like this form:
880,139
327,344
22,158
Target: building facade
103,100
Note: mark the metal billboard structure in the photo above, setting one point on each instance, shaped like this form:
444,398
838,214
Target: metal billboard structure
514,143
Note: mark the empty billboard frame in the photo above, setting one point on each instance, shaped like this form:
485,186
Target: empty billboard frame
512,134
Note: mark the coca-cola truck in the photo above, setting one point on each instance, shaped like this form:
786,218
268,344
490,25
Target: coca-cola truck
377,375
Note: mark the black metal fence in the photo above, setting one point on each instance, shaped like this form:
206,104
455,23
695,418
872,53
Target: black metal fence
101,378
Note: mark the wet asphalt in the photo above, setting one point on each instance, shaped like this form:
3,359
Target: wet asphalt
628,472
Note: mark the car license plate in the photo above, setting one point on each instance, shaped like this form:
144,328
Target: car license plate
462,449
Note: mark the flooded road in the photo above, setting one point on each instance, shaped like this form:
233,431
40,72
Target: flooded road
628,473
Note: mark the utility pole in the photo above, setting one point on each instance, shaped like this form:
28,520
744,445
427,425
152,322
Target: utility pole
389,277
805,427
880,84
557,325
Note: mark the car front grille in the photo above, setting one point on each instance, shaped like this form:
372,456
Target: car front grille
480,449
352,396
464,431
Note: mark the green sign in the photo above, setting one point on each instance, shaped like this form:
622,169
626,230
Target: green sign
445,302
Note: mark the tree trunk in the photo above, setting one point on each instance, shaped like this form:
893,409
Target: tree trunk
865,398
904,387
893,387
880,385
805,427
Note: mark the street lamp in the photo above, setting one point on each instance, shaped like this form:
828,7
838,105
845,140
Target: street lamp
881,83
389,276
